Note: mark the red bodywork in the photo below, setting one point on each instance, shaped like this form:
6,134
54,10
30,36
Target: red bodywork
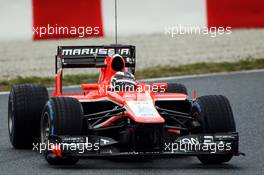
100,91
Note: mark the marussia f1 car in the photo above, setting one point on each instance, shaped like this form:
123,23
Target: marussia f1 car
119,116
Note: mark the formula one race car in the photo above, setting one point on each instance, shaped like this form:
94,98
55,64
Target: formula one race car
119,116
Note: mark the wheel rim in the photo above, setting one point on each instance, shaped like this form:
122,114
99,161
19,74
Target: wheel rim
10,125
45,128
10,115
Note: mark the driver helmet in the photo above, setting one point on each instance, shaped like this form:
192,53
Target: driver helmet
123,81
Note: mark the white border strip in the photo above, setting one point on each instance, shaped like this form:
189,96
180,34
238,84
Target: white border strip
173,78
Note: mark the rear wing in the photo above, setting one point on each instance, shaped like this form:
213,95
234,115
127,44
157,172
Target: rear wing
93,56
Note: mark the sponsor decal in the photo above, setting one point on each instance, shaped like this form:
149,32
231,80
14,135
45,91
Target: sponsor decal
143,108
95,51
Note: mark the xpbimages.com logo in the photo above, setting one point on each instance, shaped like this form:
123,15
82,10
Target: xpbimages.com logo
174,31
78,147
139,88
80,31
193,145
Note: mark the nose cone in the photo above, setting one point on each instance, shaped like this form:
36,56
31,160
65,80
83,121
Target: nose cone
141,108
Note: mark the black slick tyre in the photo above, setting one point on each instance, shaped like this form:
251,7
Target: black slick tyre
177,88
25,106
215,115
61,116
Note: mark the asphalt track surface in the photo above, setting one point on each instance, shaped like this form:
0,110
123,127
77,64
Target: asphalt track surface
246,94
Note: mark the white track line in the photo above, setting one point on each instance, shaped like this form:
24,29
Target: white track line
4,93
172,78
204,75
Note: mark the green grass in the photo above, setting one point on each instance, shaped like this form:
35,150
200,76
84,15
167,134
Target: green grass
160,71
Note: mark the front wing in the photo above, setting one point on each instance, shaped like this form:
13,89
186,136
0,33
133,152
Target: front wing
189,145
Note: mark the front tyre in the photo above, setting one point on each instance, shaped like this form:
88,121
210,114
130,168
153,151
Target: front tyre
215,115
25,106
61,116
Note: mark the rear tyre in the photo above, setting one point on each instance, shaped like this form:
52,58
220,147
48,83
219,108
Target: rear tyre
61,116
25,106
215,115
177,88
